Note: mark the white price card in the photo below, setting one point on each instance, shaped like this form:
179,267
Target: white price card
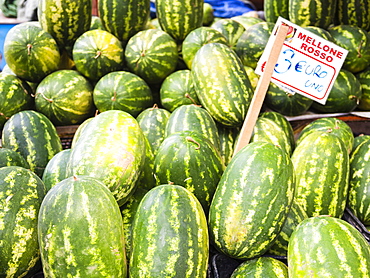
307,64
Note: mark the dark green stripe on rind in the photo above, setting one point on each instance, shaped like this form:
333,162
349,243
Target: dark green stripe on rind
221,83
273,9
353,12
55,170
179,18
21,194
321,164
170,235
248,209
231,29
326,246
80,231
124,18
33,135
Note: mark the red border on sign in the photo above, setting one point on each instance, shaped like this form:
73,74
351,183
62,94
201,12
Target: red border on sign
288,85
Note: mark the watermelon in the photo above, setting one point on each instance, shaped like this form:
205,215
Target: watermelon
321,163
318,13
15,96
230,29
286,103
55,170
359,139
9,157
34,136
252,76
332,125
151,54
65,20
80,230
325,246
110,148
221,83
30,52
96,53
153,123
65,97
353,12
196,39
261,267
228,136
189,159
79,130
21,194
246,20
179,17
357,41
123,19
169,235
146,179
122,90
178,89
96,23
273,9
324,33
344,96
208,14
248,209
364,78
252,42
194,118
358,196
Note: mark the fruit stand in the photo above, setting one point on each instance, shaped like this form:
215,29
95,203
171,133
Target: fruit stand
119,136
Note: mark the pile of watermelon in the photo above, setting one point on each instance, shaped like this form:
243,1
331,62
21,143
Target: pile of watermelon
151,185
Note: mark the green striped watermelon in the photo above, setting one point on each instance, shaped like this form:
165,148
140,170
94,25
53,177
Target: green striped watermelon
359,196
179,17
55,170
178,89
15,96
353,12
110,148
246,20
96,53
357,41
324,33
169,235
189,159
344,96
261,267
65,20
359,139
325,246
248,209
79,130
196,39
9,157
153,123
122,90
273,9
321,164
21,194
146,179
65,97
230,29
252,42
151,54
312,12
364,78
228,136
96,23
123,19
30,52
208,14
33,135
194,118
332,125
221,83
80,230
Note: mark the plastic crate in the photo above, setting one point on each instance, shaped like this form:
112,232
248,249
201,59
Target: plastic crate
4,28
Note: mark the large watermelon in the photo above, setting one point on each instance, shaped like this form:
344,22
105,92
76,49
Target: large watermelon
30,52
80,231
252,201
21,194
65,97
169,235
353,12
221,83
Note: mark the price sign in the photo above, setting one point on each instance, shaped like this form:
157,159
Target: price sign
307,64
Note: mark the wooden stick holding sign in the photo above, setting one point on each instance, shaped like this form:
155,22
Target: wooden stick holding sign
261,89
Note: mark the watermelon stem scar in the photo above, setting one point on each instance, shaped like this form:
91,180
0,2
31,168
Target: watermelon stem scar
29,46
192,140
